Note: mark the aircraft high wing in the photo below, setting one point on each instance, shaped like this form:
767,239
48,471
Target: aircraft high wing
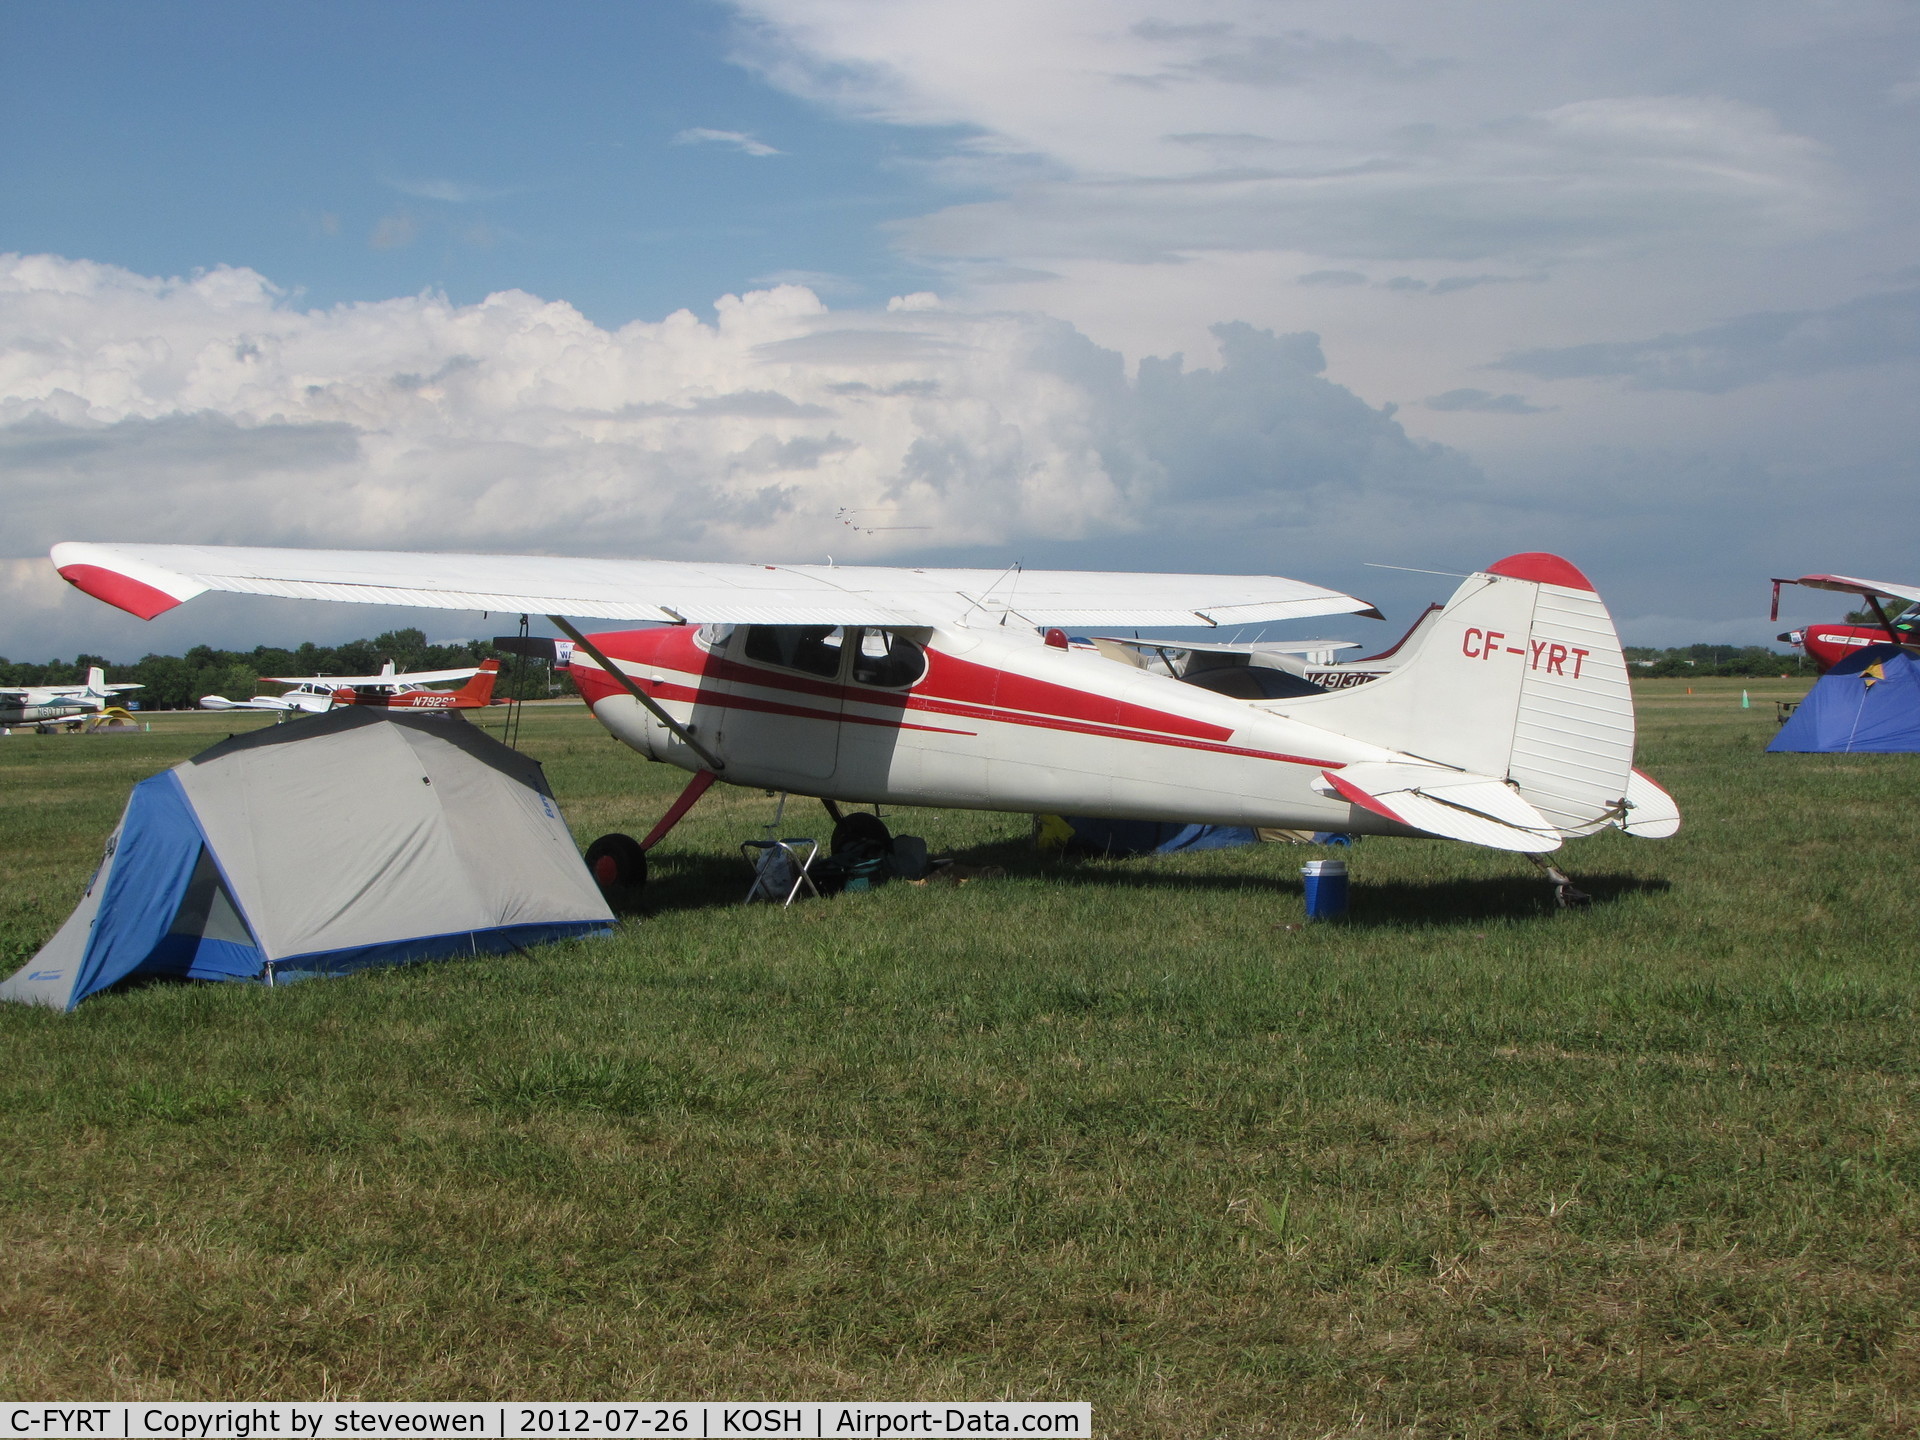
146,580
1505,720
385,680
1866,589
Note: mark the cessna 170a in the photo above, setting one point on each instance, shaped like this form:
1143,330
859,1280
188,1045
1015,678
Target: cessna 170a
317,694
1508,724
47,704
1828,644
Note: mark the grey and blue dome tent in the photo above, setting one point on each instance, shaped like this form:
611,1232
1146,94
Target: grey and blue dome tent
356,838
1867,704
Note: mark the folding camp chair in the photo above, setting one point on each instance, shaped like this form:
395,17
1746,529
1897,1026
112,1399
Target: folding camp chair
780,864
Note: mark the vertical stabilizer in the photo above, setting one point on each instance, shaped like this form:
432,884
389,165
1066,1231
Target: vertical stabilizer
1521,678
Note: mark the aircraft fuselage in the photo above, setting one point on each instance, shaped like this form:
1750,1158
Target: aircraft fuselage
976,719
41,714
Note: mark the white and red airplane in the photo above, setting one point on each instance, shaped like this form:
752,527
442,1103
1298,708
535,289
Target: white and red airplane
317,694
46,704
1264,669
476,694
1508,723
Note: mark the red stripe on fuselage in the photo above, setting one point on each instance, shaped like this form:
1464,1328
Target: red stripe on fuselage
954,687
963,683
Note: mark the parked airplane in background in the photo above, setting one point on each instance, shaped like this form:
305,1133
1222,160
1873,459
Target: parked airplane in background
316,694
1509,723
1828,644
43,704
476,694
1264,669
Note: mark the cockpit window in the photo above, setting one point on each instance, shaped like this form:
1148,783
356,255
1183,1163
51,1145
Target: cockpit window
813,649
885,659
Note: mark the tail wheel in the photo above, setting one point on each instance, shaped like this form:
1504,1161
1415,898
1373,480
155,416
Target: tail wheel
617,863
860,828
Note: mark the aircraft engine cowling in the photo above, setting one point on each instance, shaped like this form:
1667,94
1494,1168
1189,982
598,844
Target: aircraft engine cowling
665,664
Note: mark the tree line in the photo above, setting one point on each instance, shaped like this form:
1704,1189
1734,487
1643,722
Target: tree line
1754,660
176,682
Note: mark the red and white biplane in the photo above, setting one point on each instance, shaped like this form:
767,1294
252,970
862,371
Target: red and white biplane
1506,721
1828,644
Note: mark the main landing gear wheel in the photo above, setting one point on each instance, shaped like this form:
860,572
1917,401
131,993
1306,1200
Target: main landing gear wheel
618,864
860,828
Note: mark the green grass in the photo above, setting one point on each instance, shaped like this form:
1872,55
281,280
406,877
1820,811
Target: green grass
1110,1131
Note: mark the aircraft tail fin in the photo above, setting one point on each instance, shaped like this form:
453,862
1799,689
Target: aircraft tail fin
96,681
478,691
1521,679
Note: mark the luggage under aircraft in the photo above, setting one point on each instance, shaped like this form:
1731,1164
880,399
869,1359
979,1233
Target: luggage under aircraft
1506,722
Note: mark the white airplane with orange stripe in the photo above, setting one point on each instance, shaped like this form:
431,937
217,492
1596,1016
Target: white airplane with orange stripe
1507,723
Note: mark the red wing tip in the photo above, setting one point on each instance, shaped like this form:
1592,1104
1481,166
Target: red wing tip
1542,569
119,590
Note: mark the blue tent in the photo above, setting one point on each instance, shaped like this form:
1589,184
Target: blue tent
1869,703
361,837
1083,835
1152,837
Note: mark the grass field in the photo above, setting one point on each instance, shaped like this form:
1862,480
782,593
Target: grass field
1113,1131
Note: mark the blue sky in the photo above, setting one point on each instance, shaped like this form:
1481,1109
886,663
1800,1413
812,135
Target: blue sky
357,151
1285,286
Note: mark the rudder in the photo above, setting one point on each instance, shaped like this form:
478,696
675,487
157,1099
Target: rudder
1522,679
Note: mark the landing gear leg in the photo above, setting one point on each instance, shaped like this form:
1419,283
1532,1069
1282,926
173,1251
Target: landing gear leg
1566,894
619,862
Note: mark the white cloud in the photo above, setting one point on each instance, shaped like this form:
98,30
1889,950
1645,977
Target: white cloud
450,192
394,232
1382,130
207,409
738,139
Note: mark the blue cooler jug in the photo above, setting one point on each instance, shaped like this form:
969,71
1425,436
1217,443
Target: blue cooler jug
1326,883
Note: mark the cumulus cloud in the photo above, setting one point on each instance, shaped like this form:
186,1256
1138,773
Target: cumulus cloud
1771,345
737,139
210,409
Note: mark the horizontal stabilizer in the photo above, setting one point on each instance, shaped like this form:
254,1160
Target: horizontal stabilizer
1449,803
1651,811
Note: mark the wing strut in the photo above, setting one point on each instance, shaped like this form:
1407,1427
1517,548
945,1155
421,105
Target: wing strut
714,762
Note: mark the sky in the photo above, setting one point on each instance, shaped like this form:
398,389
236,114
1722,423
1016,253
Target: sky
1270,286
